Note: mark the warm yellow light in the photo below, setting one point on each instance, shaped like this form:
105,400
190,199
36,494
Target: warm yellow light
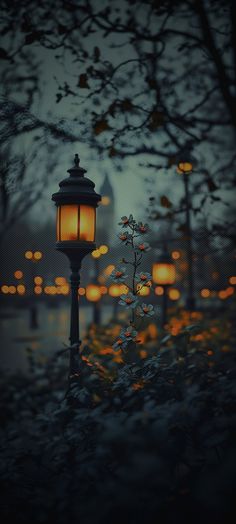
123,289
93,293
152,331
205,293
103,249
114,290
185,167
20,289
230,291
159,290
18,274
103,290
105,201
108,270
60,281
65,289
87,223
96,253
163,273
232,280
37,255
5,289
38,290
175,255
81,291
174,294
12,290
38,281
28,255
76,222
143,291
222,294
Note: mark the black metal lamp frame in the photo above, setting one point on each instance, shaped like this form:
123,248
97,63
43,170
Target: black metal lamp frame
75,189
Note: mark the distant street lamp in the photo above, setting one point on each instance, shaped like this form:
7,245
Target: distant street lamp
76,203
185,167
34,257
94,294
96,254
164,274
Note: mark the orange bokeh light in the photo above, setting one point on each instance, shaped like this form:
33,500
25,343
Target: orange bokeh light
174,294
38,281
159,290
96,253
142,290
18,274
163,273
103,249
37,255
28,255
205,293
38,290
93,293
20,289
175,255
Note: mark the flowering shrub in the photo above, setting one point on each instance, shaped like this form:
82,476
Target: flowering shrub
134,281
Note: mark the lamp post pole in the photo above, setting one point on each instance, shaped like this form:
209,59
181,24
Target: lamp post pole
164,306
74,319
76,201
190,301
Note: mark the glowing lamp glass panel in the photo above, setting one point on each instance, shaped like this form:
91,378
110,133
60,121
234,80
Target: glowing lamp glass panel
163,273
76,223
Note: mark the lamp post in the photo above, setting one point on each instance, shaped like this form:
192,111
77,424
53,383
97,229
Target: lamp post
185,167
93,294
163,274
76,203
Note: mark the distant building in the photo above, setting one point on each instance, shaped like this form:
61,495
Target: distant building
106,233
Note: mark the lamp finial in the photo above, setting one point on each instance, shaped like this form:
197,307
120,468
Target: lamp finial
77,160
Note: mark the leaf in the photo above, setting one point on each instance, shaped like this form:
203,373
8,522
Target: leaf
165,202
182,228
211,184
126,105
156,120
59,97
62,29
96,54
100,126
112,152
83,81
33,37
4,55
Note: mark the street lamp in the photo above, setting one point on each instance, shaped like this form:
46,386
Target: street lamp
76,203
164,274
34,257
185,167
94,294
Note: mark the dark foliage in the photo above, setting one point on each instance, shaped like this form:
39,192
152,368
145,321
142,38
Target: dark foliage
150,441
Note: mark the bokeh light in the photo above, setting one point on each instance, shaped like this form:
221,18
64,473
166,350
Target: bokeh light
28,255
103,249
18,274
